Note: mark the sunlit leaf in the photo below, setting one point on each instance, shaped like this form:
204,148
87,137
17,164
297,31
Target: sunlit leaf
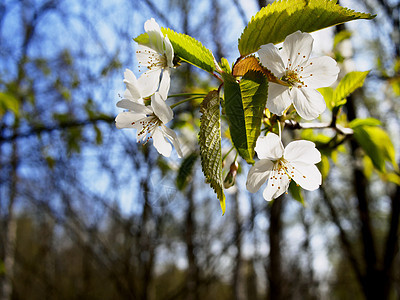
375,142
340,37
392,177
348,85
327,93
8,103
364,122
224,64
276,21
368,166
324,166
186,48
210,144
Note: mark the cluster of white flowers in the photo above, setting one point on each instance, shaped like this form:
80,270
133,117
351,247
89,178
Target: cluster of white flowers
149,120
300,76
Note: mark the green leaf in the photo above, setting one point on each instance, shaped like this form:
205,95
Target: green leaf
340,37
224,64
244,106
273,23
375,142
186,48
8,103
364,122
185,170
296,192
348,85
324,166
392,177
210,144
327,93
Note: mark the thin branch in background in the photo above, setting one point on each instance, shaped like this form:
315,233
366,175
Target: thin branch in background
347,247
240,11
159,13
60,126
215,27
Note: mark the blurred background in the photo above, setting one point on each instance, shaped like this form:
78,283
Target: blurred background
87,213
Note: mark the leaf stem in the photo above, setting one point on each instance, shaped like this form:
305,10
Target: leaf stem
226,155
296,125
185,100
187,94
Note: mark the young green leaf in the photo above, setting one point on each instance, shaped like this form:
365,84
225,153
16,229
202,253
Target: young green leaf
364,122
276,21
8,103
375,142
224,64
340,37
210,144
186,170
349,83
244,105
296,192
186,48
327,93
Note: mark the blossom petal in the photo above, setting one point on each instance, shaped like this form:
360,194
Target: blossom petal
133,89
271,59
145,55
302,151
160,143
164,84
269,147
276,187
171,135
134,107
126,119
161,108
258,174
297,47
149,82
278,98
169,52
320,72
308,102
155,35
306,175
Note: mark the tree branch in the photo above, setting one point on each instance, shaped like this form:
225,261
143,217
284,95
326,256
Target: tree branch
343,236
60,126
297,125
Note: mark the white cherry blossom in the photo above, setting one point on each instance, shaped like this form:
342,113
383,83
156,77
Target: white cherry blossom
157,55
280,165
301,74
134,91
149,122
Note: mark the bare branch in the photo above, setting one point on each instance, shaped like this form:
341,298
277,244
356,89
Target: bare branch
60,126
297,125
240,11
348,250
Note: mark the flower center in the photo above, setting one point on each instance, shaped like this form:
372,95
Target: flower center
292,78
293,75
147,125
282,168
154,60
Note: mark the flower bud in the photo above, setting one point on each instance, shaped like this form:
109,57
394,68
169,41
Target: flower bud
231,176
